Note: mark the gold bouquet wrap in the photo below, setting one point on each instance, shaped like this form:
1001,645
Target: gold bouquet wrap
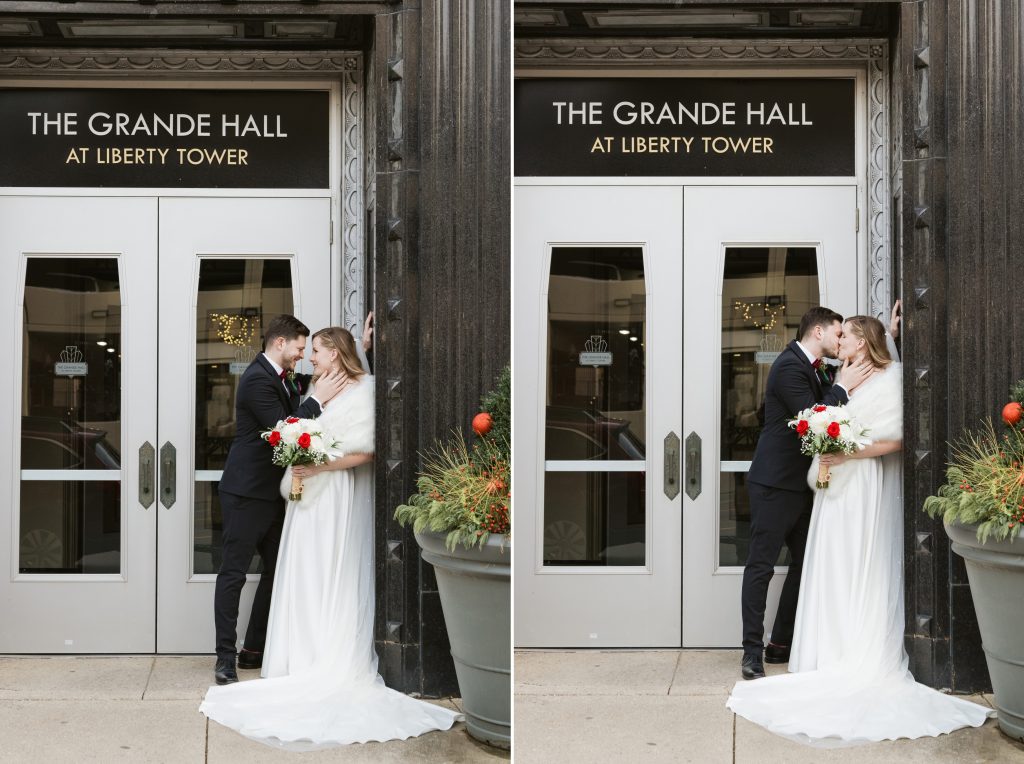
823,476
296,493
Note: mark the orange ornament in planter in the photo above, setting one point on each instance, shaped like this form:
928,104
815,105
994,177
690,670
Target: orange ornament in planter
482,423
1012,413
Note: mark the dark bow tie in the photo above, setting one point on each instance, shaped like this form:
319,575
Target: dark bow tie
283,375
816,363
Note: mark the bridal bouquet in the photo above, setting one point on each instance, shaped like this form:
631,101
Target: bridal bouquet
296,441
827,430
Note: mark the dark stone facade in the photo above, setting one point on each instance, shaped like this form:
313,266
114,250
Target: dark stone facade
443,275
962,243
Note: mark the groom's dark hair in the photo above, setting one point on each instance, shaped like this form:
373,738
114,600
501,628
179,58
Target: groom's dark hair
817,316
285,326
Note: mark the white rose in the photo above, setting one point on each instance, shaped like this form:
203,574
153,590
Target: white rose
819,422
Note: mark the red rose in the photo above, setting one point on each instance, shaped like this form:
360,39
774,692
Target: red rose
275,438
833,430
820,408
802,426
291,420
304,440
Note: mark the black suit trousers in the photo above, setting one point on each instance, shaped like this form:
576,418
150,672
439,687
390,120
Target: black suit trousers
777,517
250,525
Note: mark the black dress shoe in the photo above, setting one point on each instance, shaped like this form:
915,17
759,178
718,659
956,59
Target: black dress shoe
224,671
752,667
773,653
250,659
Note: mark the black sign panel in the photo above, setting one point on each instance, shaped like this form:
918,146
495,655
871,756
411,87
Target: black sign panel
665,126
164,138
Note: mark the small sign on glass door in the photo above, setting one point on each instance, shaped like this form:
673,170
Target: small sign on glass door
596,352
71,363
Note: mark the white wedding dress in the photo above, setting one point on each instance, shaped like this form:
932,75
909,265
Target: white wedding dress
321,686
850,682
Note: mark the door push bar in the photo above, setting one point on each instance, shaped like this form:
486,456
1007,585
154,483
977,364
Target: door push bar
693,459
168,458
147,462
671,465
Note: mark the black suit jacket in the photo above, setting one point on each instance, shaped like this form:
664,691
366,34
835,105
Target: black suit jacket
793,385
260,402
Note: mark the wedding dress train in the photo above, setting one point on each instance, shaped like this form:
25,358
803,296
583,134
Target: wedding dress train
850,682
321,686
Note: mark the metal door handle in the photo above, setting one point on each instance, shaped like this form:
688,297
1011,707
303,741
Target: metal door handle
693,460
671,486
168,459
147,462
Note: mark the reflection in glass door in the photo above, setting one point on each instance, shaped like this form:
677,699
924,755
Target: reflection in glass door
595,419
765,291
236,298
70,509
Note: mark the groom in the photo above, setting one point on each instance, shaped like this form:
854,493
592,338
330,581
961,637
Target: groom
780,499
250,501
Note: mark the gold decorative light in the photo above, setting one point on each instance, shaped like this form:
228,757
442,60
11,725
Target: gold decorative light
769,313
235,330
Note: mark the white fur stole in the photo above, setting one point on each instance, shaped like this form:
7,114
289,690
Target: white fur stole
348,422
876,405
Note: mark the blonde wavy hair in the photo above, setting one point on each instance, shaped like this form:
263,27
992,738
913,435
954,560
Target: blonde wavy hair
872,331
341,339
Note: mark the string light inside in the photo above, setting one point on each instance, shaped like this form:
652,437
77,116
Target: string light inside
235,330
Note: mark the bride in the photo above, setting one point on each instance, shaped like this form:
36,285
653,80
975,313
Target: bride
321,687
850,682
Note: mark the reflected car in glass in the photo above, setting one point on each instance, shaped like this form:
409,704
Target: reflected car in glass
591,517
68,525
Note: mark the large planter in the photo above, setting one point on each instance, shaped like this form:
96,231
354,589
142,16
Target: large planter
475,587
996,572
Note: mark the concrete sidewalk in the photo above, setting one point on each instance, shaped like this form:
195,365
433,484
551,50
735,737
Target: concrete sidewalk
145,709
669,705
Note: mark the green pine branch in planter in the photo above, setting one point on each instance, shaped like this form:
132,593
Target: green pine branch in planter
463,490
985,477
498,403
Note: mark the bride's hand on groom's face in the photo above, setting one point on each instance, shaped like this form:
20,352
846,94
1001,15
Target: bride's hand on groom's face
327,386
853,374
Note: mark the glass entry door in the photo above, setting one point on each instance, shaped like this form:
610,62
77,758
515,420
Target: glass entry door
226,267
647,318
598,278
131,322
756,259
78,518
